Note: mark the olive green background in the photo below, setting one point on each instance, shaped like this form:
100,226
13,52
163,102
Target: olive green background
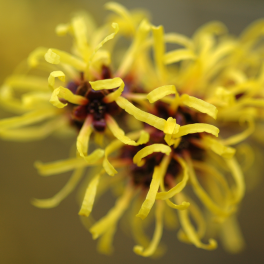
29,235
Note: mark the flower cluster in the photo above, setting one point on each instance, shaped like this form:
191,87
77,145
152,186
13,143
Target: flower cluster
154,118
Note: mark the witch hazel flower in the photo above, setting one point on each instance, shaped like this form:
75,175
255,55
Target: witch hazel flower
151,118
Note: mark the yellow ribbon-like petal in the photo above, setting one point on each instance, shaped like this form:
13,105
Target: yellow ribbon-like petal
88,200
119,133
55,56
55,74
83,142
199,105
178,55
140,115
150,250
105,223
109,84
149,150
66,94
62,194
197,128
159,173
190,231
177,188
161,92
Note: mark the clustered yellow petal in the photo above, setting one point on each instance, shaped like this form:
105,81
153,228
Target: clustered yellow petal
181,101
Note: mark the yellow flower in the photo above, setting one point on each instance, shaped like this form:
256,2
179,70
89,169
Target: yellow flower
171,107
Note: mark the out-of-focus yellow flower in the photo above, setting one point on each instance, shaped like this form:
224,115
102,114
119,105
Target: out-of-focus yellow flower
171,108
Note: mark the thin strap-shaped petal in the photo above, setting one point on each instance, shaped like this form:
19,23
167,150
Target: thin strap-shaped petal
83,143
180,186
33,133
241,136
129,57
36,99
157,233
238,177
116,144
119,133
109,84
178,55
113,215
161,92
35,56
149,150
27,83
217,146
28,118
66,94
199,105
252,31
159,50
197,128
231,235
55,56
214,173
159,173
62,194
203,196
109,37
184,205
55,74
105,243
122,11
88,200
80,34
59,166
178,39
191,233
199,220
140,115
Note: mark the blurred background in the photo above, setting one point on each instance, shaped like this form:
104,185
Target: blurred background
38,236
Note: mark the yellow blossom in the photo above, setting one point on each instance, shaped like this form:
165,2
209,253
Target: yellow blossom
180,101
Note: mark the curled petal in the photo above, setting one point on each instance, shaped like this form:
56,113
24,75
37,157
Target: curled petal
66,94
179,187
238,177
109,37
197,128
150,250
120,134
55,56
240,136
35,56
109,84
62,194
178,55
161,92
192,234
143,138
149,150
55,74
220,149
178,39
159,172
122,11
199,105
105,223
